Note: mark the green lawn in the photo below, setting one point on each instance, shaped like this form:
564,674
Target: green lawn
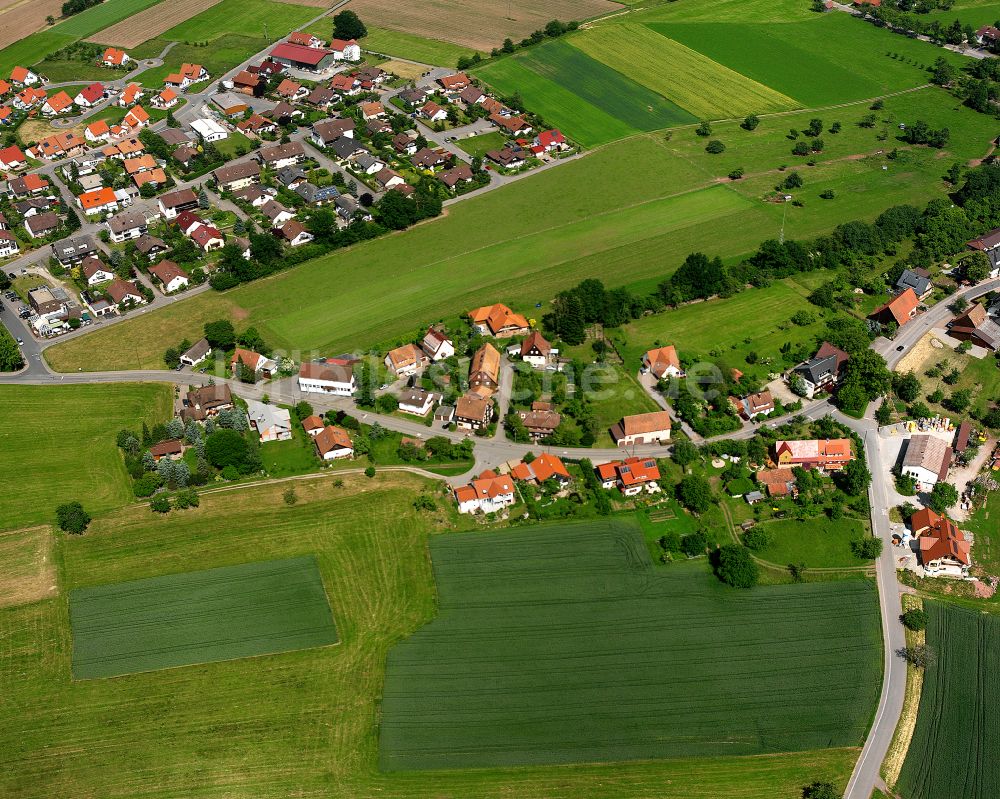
983,524
951,752
59,445
818,543
613,393
405,45
194,617
558,668
483,143
218,56
32,49
101,16
305,722
232,143
60,70
248,18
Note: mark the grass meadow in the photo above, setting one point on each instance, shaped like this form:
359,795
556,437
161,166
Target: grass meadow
306,722
952,754
242,18
59,446
32,49
231,612
405,45
818,543
101,16
561,644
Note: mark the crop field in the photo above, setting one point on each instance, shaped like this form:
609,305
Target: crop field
302,723
591,101
31,49
27,566
58,448
150,23
952,754
199,617
20,17
561,645
104,14
818,543
844,59
241,18
696,83
472,23
405,45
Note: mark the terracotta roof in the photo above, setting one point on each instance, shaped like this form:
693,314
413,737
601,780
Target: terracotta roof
535,340
249,357
899,307
119,289
641,423
312,423
497,317
331,438
165,271
97,198
661,359
485,364
405,356
939,537
472,407
335,373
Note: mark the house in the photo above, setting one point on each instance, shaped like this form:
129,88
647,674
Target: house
754,405
306,39
926,460
944,549
426,158
269,422
432,112
248,83
389,179
325,133
209,130
327,378
28,98
289,89
830,454
917,279
187,221
377,126
976,325
98,131
41,225
175,202
631,475
94,271
291,176
276,213
550,140
130,95
229,105
282,113
124,291
257,125
368,163
515,126
406,360
171,277
47,299
207,402
987,35
372,110
822,371
208,238
12,157
261,365
412,97
58,103
506,157
150,246
541,421
6,115
458,174
453,84
544,467
172,449
404,144
303,57
417,401
322,97
27,186
143,163
8,244
777,482
23,76
237,176
60,145
254,195
313,426
989,243
488,493
899,310
437,345
188,74
484,371
498,320
332,443
345,50
317,195
72,251
197,353
294,233
136,118
473,411
166,99
662,362
282,155
471,95
114,57
34,205
642,428
126,148
90,95
535,350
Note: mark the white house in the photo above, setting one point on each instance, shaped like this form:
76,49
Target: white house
489,493
94,271
327,378
199,351
642,428
8,244
926,460
662,362
170,276
270,422
437,345
348,50
417,401
209,130
332,443
536,351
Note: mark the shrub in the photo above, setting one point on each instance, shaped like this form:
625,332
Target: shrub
756,538
735,566
915,619
715,147
160,504
694,544
867,548
736,174
370,472
231,473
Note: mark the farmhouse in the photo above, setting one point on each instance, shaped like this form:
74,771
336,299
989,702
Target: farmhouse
260,365
498,320
473,411
327,378
170,276
642,428
198,352
630,475
206,402
417,401
662,362
536,351
822,371
830,454
332,443
484,371
488,493
406,360
544,467
437,345
917,279
944,549
926,460
777,482
303,57
976,325
899,310
270,422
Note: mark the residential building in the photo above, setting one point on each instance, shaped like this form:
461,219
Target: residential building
484,371
98,201
473,411
209,130
437,345
276,213
663,362
417,401
90,96
313,425
989,243
207,402
12,157
172,449
294,233
541,421
282,155
433,112
488,493
325,133
58,103
917,279
23,76
544,467
642,428
498,320
345,50
8,244
176,202
150,246
405,360
458,174
536,351
976,326
830,454
515,126
550,140
631,475
453,84
754,405
270,422
327,378
777,482
197,353
926,460
332,443
239,175
261,365
822,371
41,225
114,57
72,251
124,292
899,310
944,549
127,225
170,276
97,132
94,271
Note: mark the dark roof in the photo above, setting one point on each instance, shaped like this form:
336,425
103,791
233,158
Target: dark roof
912,279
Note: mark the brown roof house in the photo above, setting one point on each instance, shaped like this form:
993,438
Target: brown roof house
976,325
642,428
484,371
944,549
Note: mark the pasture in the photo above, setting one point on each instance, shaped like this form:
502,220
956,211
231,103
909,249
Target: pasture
247,18
27,566
405,45
227,613
696,83
818,543
102,15
303,722
952,754
59,445
150,23
525,663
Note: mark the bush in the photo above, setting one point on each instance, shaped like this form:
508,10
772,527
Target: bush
146,485
160,504
736,174
867,548
756,538
694,544
735,566
231,473
72,518
915,619
370,472
715,147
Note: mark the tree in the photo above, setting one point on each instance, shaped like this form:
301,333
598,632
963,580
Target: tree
303,410
735,566
347,25
715,147
252,340
943,496
72,518
684,453
220,334
226,448
820,790
370,472
883,415
792,181
160,504
290,496
920,655
869,370
867,548
695,493
704,129
694,544
906,386
975,267
10,354
751,122
756,538
943,72
914,619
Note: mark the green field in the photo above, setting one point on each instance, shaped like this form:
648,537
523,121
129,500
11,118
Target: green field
952,754
818,543
304,723
31,49
248,18
696,83
199,617
405,45
59,445
562,645
101,16
483,143
592,102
